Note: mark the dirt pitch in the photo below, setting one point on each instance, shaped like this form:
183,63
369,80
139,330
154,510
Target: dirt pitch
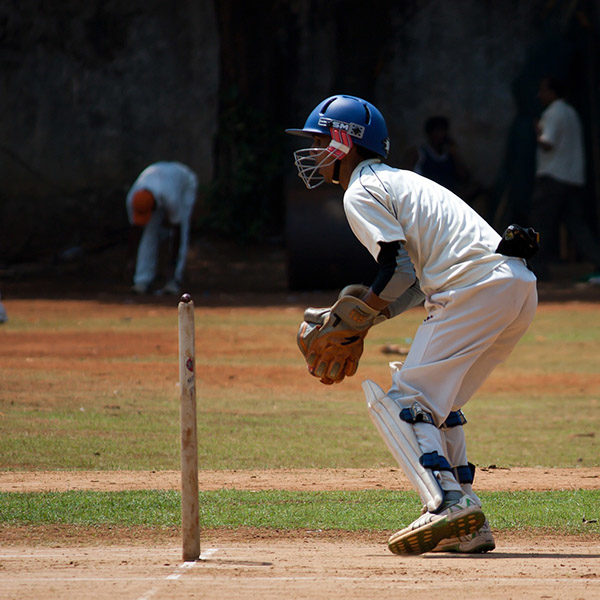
306,565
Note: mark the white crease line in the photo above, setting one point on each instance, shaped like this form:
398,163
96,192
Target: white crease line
69,553
510,581
186,566
149,594
391,578
182,568
72,579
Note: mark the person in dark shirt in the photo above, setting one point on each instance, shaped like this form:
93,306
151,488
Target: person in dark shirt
438,158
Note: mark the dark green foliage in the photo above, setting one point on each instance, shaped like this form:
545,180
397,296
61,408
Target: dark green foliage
245,199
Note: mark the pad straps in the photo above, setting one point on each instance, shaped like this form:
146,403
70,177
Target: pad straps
455,418
430,460
416,414
464,473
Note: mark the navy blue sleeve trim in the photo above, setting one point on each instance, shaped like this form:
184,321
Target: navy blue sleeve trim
386,259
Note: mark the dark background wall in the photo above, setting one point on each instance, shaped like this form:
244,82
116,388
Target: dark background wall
93,92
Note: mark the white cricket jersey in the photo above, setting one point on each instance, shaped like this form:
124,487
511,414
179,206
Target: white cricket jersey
561,128
173,186
449,244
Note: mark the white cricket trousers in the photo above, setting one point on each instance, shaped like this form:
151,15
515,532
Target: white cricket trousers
466,334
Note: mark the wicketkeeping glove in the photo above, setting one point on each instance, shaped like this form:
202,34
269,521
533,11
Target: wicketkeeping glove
332,339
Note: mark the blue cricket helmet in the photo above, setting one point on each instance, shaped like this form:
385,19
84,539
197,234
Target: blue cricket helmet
360,119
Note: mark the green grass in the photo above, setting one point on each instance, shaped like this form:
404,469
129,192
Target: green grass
570,512
555,430
92,438
269,431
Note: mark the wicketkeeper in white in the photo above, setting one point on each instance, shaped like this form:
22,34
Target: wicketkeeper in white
479,296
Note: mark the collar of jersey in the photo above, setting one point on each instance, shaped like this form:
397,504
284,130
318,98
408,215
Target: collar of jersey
359,166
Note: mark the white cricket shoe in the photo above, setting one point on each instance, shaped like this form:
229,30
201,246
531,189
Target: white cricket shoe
477,542
461,518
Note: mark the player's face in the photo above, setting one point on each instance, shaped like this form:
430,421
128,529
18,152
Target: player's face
325,165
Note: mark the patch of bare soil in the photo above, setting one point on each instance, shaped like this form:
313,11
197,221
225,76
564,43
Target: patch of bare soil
488,479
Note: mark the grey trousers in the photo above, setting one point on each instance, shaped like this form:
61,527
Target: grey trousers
553,203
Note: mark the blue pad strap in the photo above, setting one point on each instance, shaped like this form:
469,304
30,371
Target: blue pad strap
465,473
455,418
416,414
435,462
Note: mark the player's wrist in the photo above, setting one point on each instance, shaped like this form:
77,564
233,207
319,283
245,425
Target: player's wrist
375,302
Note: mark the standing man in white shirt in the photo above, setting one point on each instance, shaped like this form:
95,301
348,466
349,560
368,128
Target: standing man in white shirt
429,245
160,205
560,178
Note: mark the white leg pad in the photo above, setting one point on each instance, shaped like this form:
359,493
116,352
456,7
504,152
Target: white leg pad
402,443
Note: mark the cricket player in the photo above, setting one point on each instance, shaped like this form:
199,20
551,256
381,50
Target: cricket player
479,297
160,204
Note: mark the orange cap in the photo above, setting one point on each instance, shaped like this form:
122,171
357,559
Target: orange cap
142,205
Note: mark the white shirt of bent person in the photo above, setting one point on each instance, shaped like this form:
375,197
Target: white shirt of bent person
173,186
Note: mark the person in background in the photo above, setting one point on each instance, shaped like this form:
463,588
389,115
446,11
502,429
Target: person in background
438,158
3,315
560,178
160,205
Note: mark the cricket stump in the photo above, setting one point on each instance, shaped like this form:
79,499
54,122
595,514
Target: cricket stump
190,524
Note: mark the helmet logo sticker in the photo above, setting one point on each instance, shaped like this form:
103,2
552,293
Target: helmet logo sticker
353,129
